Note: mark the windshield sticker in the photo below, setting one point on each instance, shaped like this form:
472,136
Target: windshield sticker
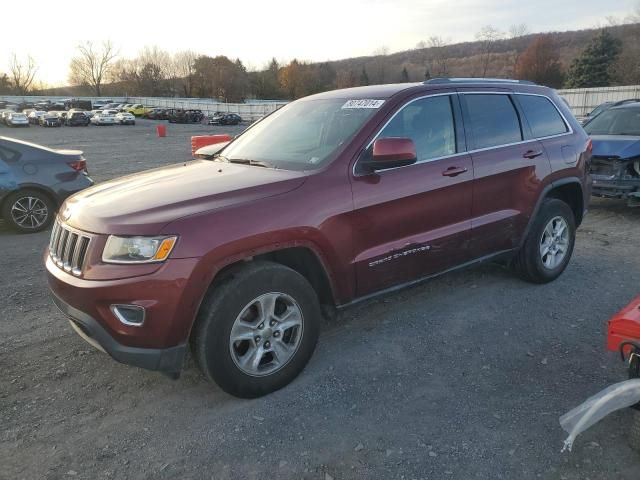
364,103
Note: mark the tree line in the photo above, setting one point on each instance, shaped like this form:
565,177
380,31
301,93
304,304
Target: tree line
609,56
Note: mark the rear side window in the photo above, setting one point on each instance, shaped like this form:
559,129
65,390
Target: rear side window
542,115
494,120
429,123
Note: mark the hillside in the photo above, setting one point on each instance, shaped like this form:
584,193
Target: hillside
231,82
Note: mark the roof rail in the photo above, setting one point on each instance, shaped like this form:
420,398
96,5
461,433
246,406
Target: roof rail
435,81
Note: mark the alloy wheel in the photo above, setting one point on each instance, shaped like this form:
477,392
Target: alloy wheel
266,334
554,242
29,212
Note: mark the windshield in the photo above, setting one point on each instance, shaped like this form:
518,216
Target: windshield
617,121
302,135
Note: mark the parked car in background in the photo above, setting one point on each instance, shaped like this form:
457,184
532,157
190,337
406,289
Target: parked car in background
74,103
101,104
34,116
125,118
61,114
603,107
156,114
35,181
225,119
138,109
17,120
329,200
104,118
77,119
185,116
615,167
50,119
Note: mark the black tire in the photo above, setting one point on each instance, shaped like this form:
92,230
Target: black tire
528,263
634,434
210,340
21,196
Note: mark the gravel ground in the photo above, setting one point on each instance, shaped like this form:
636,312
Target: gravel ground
462,377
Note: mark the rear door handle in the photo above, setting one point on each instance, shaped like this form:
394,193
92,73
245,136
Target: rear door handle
453,171
532,153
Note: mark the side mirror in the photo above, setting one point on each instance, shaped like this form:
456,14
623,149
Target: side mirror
390,152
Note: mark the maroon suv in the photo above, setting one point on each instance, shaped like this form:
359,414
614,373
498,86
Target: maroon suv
330,200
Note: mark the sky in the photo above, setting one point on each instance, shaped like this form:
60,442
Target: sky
257,30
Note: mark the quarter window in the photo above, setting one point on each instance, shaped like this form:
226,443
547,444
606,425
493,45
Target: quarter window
542,116
494,120
429,123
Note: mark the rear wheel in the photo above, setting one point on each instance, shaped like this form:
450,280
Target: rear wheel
549,244
257,329
28,211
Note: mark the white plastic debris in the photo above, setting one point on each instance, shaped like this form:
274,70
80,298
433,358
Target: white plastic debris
617,396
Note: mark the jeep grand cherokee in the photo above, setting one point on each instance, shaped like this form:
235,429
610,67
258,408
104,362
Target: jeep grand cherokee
329,200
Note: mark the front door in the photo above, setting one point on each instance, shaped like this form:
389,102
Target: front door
414,221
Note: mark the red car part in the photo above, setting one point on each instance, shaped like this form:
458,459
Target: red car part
624,332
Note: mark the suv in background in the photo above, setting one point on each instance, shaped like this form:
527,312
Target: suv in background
329,200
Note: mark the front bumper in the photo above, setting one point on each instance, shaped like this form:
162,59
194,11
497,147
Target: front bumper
169,296
165,360
607,187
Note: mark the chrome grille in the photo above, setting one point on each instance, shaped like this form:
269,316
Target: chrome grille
68,248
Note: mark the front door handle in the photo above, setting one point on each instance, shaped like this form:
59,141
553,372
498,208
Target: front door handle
532,154
453,171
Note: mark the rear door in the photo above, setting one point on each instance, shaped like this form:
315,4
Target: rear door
508,167
413,221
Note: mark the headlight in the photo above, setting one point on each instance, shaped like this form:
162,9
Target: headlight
137,249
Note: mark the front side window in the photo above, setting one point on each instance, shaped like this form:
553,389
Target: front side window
542,115
429,123
494,120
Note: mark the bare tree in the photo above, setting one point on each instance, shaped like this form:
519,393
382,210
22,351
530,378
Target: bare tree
488,36
22,74
92,65
438,62
184,67
518,30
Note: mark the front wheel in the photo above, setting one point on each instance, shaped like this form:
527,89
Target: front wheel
548,247
257,329
28,211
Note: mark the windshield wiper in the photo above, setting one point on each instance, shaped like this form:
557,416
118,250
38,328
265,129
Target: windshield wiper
248,161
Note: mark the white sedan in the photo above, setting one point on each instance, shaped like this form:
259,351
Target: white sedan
17,120
125,118
103,118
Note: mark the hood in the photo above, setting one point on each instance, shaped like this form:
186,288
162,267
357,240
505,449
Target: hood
622,146
143,203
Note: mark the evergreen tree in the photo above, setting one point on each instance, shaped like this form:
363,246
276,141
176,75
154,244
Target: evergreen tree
404,76
592,67
364,78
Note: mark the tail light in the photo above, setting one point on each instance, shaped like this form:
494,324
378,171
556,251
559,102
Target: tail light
78,165
589,146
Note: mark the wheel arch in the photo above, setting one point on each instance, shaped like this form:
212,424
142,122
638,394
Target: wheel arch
570,191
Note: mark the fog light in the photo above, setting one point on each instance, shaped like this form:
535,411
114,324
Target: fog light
129,314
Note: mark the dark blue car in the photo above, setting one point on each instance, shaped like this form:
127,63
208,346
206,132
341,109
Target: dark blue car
615,166
35,180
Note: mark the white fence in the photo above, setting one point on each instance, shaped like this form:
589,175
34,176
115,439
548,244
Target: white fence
249,111
583,100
